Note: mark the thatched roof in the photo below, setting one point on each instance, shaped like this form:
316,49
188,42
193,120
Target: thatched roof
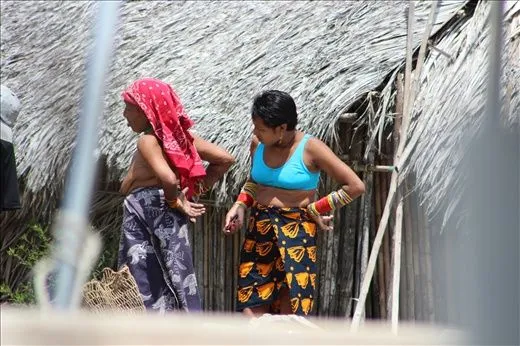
218,55
450,102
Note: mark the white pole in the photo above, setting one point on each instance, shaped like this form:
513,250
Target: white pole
71,229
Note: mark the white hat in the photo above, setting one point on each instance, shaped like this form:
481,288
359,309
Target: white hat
9,109
9,106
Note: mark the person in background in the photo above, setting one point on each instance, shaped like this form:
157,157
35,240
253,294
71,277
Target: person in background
277,272
165,174
9,192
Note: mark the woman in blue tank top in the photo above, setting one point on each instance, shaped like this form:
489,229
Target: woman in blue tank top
277,272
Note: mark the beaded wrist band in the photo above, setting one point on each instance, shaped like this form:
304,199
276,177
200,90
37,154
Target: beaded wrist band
332,201
247,195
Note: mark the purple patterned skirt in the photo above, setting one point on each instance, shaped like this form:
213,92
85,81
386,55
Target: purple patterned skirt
155,247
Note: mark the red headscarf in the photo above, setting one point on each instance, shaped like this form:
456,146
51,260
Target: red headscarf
170,123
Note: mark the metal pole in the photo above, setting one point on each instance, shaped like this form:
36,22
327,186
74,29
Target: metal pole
71,228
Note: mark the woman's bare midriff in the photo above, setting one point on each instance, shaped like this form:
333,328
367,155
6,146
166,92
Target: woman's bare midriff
139,175
272,196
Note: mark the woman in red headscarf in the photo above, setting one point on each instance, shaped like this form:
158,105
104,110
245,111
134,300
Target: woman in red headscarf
165,173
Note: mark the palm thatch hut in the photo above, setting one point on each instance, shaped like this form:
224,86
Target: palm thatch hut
340,61
448,111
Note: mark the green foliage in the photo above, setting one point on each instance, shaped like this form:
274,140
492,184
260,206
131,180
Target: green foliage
23,295
33,245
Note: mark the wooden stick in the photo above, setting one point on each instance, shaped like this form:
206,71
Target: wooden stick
417,260
380,261
386,247
393,184
358,167
367,212
403,286
430,316
396,259
409,258
404,130
206,260
375,281
394,314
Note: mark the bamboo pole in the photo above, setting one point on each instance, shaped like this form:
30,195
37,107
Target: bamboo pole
409,258
389,200
358,167
367,212
403,132
347,258
335,271
422,263
328,268
380,262
386,248
237,241
416,259
396,259
221,263
429,281
403,287
207,283
320,285
394,313
375,279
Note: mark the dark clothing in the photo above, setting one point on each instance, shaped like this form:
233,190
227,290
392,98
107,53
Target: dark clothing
9,193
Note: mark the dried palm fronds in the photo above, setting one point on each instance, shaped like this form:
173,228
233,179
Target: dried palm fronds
449,105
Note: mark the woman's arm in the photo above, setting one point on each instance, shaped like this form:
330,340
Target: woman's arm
235,216
323,158
219,159
152,153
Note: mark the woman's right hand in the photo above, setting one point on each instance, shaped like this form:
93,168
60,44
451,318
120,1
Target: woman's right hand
187,207
324,222
234,219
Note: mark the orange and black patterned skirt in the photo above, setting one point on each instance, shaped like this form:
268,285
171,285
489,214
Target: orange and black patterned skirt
279,250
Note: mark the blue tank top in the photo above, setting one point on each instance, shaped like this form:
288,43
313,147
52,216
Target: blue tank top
292,175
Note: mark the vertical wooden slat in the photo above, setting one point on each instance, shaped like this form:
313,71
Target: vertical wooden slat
397,234
205,244
429,281
328,272
375,279
408,230
348,261
422,264
380,260
416,263
366,224
387,251
335,271
403,287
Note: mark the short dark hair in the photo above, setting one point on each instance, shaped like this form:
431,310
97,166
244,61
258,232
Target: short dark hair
275,108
